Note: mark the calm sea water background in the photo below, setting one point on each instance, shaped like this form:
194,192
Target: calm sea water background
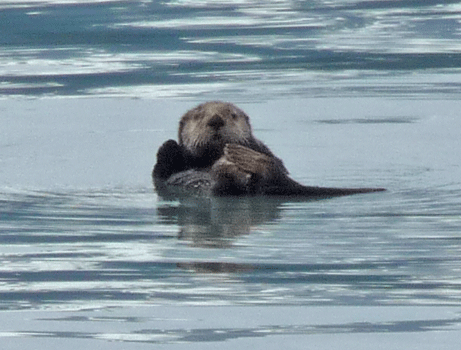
348,93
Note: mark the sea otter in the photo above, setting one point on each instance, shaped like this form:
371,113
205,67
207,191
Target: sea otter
217,154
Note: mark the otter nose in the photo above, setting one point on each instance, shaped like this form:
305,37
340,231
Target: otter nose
216,122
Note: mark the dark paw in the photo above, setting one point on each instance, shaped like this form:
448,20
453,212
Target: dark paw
169,150
170,160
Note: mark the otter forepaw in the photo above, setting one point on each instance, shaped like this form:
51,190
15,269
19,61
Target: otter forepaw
167,150
223,169
170,160
248,160
230,179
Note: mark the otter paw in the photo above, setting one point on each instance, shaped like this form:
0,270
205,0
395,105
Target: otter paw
168,151
170,160
248,160
230,179
225,170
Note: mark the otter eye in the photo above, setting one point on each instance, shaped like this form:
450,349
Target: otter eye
234,115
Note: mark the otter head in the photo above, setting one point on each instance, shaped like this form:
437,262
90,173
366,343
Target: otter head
206,129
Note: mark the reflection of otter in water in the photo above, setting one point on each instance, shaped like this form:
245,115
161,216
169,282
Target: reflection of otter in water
218,154
216,222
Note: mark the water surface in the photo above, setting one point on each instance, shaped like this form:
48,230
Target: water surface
348,93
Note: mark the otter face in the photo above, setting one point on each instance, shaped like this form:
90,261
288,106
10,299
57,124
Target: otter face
206,129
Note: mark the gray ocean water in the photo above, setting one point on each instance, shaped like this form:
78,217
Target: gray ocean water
347,93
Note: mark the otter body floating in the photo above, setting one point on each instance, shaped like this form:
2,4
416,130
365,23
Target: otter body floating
217,154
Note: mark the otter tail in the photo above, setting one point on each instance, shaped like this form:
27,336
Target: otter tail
335,192
292,188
